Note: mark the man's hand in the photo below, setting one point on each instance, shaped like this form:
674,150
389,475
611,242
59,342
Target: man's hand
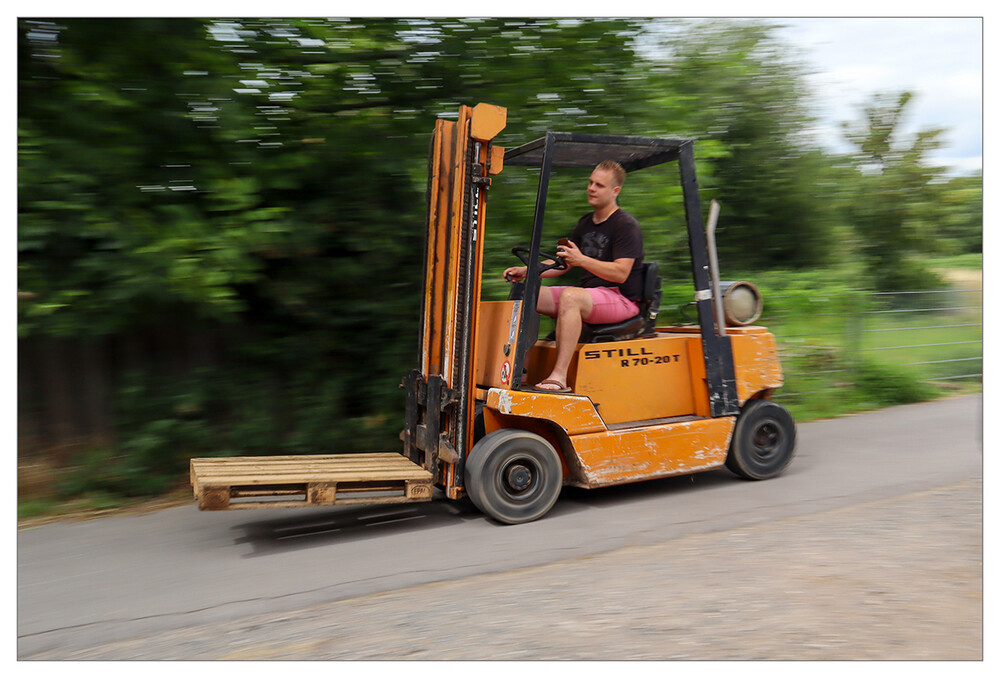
515,273
616,271
570,253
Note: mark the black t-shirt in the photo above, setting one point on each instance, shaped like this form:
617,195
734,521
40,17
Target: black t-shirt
617,237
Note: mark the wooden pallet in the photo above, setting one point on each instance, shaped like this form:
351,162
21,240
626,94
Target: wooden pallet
308,480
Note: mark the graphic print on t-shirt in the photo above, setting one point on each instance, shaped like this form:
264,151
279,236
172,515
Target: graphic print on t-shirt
595,244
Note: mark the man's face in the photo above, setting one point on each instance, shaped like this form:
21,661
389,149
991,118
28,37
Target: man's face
601,190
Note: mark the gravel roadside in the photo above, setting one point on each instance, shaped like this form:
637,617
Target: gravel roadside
897,579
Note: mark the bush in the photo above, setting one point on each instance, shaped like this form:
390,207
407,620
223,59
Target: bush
101,472
31,508
902,275
892,385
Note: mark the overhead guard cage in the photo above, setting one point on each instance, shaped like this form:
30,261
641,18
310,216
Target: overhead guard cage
585,151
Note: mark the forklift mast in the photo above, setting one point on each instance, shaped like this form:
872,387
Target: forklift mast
440,406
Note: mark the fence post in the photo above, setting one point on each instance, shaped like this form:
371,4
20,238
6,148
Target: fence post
854,326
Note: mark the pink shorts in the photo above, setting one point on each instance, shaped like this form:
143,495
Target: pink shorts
609,305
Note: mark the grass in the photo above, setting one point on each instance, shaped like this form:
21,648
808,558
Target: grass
941,345
33,507
970,261
36,510
847,351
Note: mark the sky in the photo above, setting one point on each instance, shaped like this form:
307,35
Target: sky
938,59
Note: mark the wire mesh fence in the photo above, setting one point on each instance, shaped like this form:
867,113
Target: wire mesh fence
826,341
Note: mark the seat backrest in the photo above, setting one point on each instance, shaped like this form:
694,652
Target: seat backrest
649,306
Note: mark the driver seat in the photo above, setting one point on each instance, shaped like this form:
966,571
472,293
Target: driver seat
640,325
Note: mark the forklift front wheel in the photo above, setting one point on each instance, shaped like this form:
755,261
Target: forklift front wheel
513,476
763,442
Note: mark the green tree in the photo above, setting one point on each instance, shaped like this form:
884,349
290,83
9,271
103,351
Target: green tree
740,91
960,220
893,204
213,163
264,179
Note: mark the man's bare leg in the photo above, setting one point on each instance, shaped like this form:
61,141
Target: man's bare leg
546,304
575,304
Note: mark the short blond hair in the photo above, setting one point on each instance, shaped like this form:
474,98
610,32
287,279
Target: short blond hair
617,171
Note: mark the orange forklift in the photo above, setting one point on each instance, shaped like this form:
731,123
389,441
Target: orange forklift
645,402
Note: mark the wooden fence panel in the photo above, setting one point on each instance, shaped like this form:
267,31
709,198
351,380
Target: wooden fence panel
67,387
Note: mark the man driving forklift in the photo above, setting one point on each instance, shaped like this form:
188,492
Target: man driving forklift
607,245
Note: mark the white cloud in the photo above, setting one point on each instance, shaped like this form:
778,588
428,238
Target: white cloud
939,60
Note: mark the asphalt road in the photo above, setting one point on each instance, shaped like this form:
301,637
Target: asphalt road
111,581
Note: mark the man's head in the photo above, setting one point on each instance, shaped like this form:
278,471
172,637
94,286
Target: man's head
605,184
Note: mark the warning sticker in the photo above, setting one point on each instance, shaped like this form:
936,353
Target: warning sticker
514,317
505,372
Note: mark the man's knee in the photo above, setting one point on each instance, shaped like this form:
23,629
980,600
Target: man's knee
575,299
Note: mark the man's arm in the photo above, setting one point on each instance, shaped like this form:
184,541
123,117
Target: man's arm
616,271
519,273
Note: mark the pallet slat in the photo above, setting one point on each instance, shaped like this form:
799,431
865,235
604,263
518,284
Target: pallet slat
387,477
265,477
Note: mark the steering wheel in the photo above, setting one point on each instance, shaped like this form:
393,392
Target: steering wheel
558,264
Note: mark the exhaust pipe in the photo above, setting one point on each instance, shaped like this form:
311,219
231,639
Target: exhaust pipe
713,267
737,302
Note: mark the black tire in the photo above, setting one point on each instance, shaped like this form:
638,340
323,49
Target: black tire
764,441
513,476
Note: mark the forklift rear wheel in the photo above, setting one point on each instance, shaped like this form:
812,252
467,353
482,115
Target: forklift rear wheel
513,476
763,442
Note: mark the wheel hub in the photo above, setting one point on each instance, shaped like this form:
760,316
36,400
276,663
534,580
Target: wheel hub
518,477
766,439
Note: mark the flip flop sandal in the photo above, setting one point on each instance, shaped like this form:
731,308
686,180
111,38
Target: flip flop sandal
563,388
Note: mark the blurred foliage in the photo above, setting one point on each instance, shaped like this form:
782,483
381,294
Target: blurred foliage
268,177
738,87
896,199
959,226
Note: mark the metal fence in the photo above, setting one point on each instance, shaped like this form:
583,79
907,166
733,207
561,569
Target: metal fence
935,335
